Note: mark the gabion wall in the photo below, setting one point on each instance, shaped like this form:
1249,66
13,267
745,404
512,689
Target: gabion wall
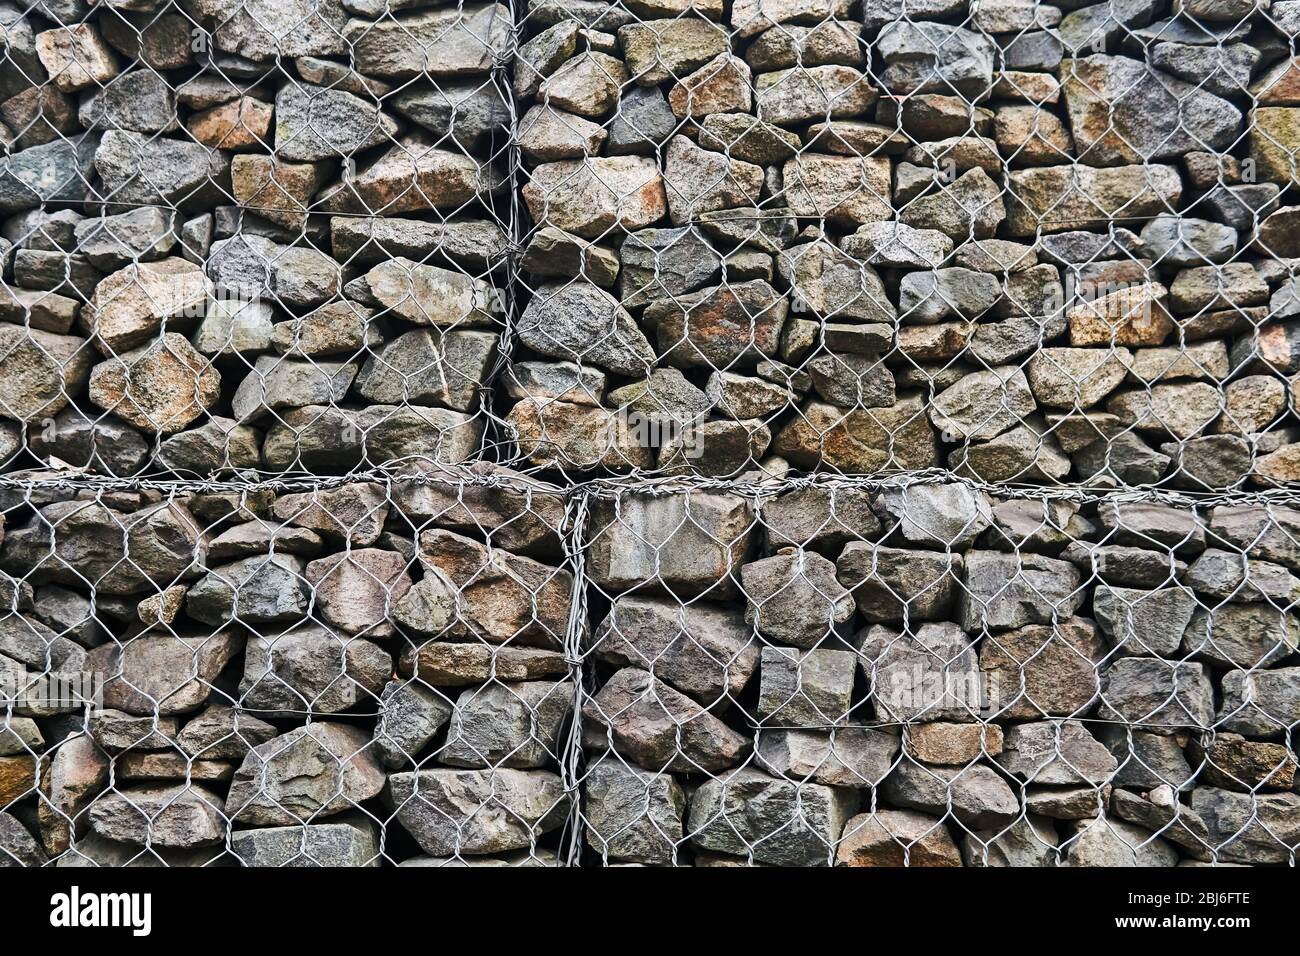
661,432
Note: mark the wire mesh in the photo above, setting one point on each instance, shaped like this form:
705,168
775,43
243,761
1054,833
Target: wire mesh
568,432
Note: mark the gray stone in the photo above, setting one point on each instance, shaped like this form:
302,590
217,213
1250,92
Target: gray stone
975,796
429,608
1249,828
40,371
467,111
642,123
162,674
794,598
355,592
347,843
748,138
102,444
176,816
749,814
76,778
428,295
252,266
507,725
898,245
217,446
548,134
115,731
1242,635
811,93
855,757
1260,703
932,297
1269,534
222,733
663,264
554,252
517,512
312,669
936,515
805,688
1112,843
704,181
581,322
232,327
830,41
834,285
428,367
1025,453
1029,842
930,673
933,57
770,230
309,773
20,735
17,846
589,197
1153,526
73,542
1126,457
704,650
138,168
658,728
139,101
561,381
1161,812
369,240
853,381
688,543
450,812
268,589
412,716
1122,111
112,241
970,207
539,57
742,397
1148,760
983,404
1048,752
1177,241
819,517
632,815
49,173
587,84
1229,576
1157,695
278,383
1144,623
895,584
1005,591
440,43
658,50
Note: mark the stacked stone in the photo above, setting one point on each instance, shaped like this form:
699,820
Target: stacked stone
770,240
331,677
927,675
1032,243
268,236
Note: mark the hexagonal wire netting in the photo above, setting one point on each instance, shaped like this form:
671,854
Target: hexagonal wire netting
666,432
